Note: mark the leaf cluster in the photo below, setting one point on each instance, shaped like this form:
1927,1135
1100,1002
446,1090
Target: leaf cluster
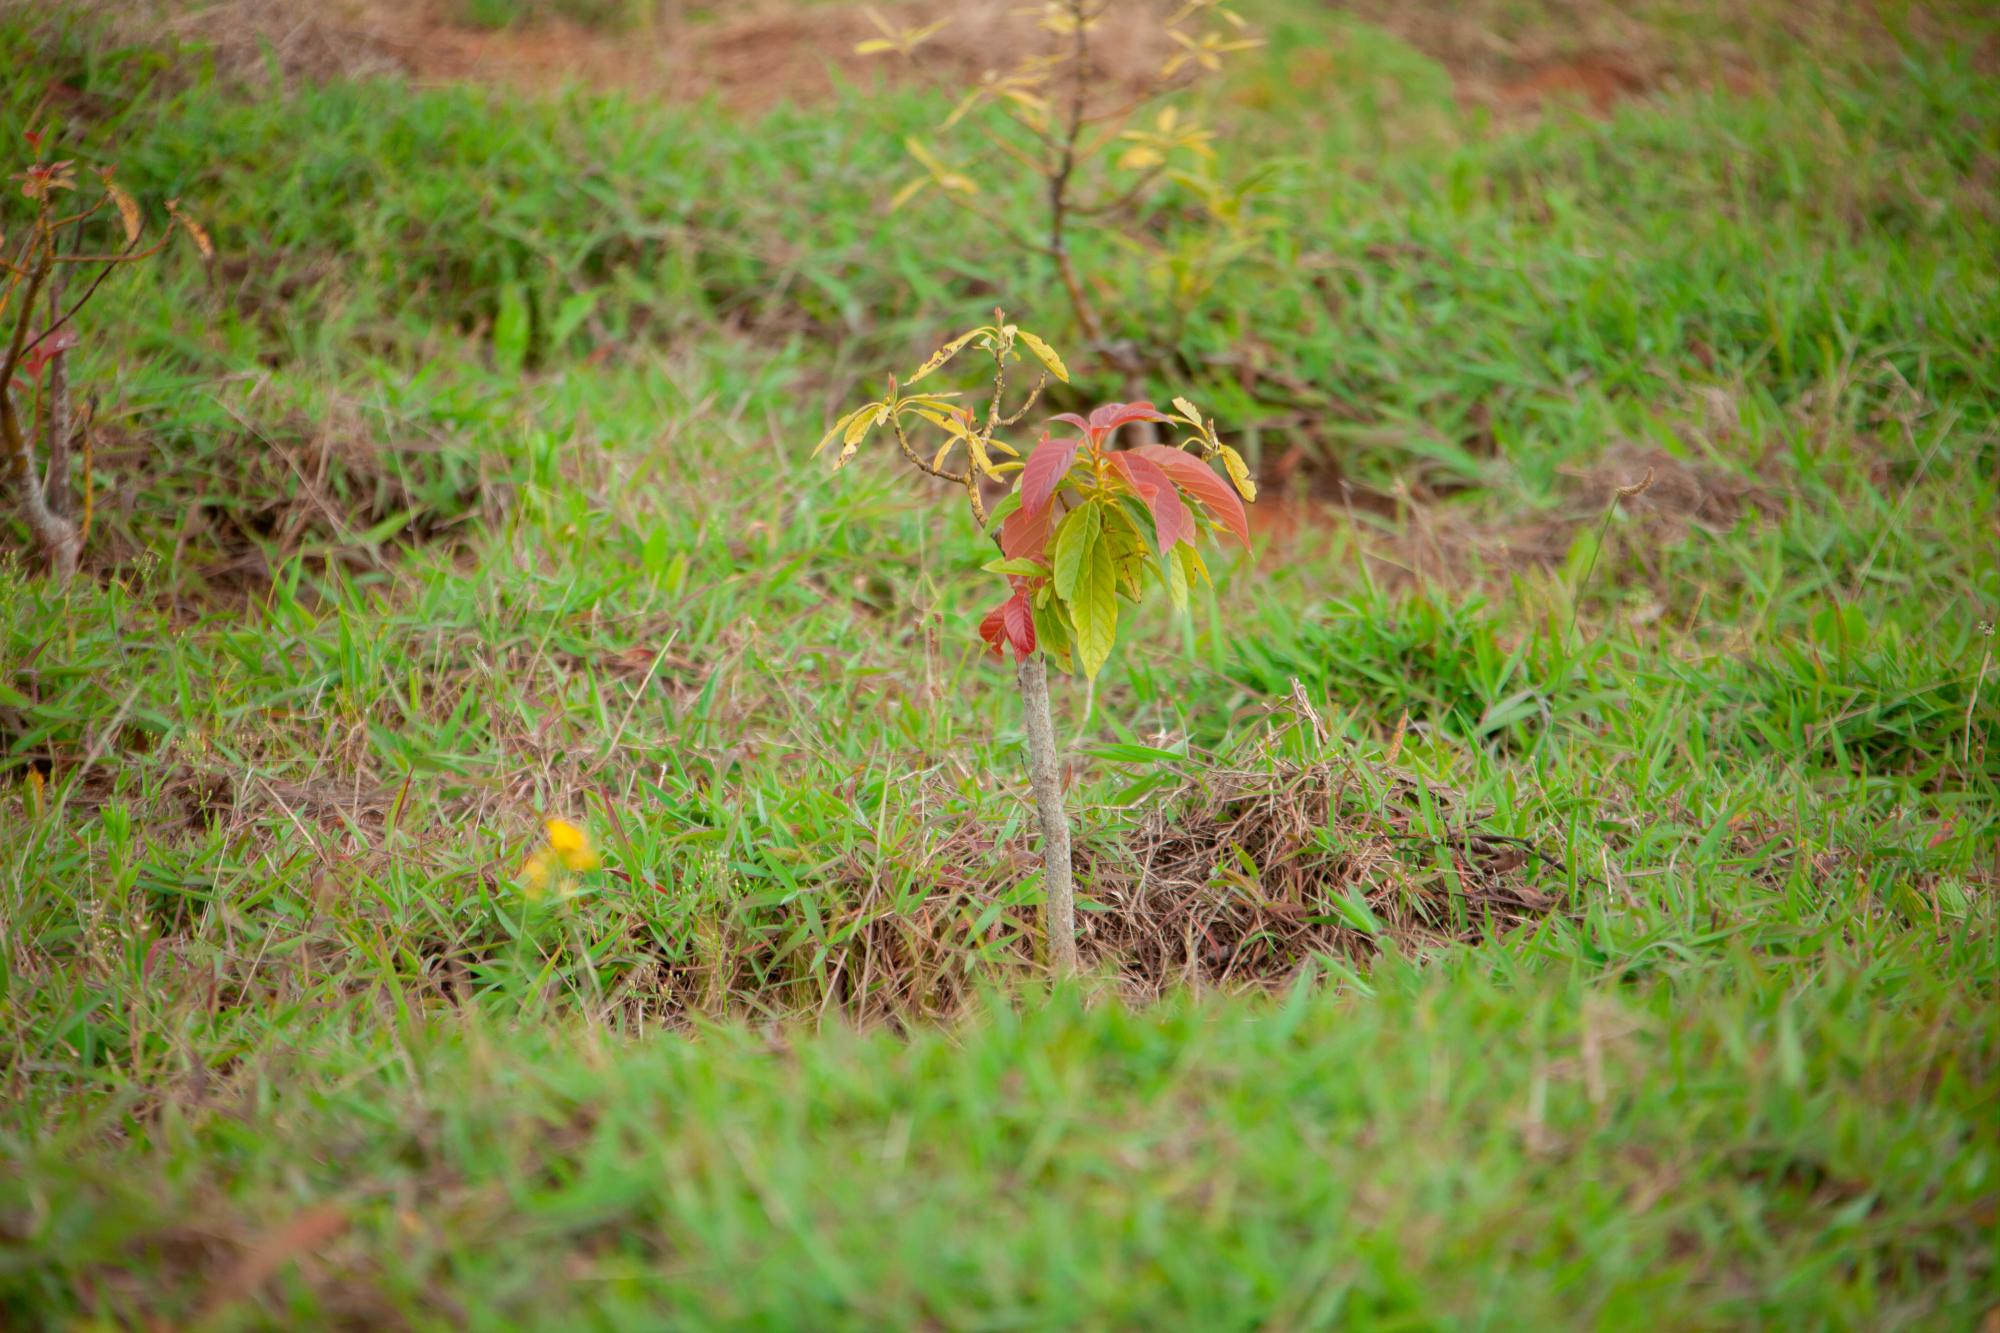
1085,525
961,433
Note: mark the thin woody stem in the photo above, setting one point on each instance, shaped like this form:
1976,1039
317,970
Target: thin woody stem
56,535
917,460
1029,405
110,265
1125,199
1045,781
1065,167
56,434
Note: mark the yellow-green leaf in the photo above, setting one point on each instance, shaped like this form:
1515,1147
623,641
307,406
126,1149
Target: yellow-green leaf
944,354
1239,473
908,192
860,423
1074,540
1045,354
842,426
1094,609
950,421
1051,632
1191,563
977,448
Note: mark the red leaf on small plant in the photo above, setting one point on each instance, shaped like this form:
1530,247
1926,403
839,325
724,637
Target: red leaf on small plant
1199,480
1010,624
1108,418
1044,471
993,627
1020,624
1025,535
1171,519
1113,415
46,349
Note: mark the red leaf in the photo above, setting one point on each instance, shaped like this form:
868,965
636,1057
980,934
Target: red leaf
1170,518
1025,535
1197,479
1019,619
993,628
1010,624
1108,418
1043,472
46,349
1113,415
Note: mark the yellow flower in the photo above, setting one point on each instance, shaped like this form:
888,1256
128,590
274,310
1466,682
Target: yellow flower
535,875
571,846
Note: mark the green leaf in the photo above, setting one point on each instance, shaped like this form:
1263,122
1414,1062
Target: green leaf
1052,634
1094,609
570,316
1021,565
1191,564
1125,752
387,528
1129,556
1351,910
1177,580
510,330
1144,787
1138,519
1074,539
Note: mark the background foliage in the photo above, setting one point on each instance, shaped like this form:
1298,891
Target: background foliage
1599,931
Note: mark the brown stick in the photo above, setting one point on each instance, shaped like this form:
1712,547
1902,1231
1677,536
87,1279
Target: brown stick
56,535
1045,780
55,481
1065,167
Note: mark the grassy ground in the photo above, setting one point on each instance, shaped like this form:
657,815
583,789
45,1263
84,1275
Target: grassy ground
1645,979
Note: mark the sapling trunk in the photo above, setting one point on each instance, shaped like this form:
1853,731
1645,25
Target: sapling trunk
1079,521
1045,780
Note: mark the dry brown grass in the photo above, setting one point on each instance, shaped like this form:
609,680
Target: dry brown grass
1243,874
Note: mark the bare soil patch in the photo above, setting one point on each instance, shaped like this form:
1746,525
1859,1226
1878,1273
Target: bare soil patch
761,54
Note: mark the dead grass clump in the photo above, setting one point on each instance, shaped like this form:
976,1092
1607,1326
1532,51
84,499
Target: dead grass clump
220,512
1683,492
1243,875
311,41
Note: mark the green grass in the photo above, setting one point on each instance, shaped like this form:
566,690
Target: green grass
471,488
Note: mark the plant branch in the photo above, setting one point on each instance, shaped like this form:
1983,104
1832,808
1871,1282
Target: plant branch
110,265
1065,169
56,535
56,437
